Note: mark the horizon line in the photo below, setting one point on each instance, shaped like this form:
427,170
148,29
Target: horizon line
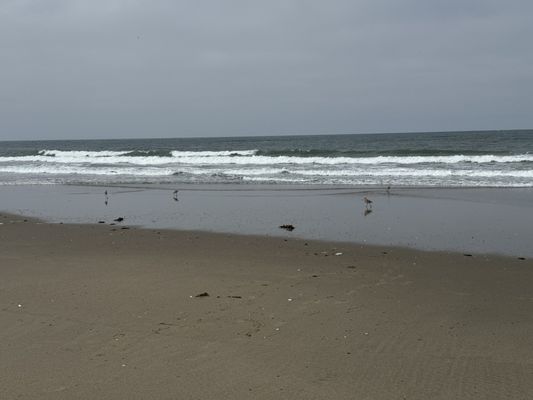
274,135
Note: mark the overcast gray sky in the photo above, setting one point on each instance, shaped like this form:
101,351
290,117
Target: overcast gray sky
170,68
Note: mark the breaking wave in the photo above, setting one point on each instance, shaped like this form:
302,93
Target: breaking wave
248,157
402,166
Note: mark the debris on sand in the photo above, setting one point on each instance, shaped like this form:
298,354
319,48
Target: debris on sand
119,219
101,222
204,294
287,227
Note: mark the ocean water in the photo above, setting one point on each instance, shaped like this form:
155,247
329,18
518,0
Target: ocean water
449,159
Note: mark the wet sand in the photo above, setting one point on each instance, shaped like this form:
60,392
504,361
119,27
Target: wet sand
482,220
96,311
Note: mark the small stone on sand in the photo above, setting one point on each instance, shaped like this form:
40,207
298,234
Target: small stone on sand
287,227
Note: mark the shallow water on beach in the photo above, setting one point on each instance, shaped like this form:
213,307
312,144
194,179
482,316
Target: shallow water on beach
466,220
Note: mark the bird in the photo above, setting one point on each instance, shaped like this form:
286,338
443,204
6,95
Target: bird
368,202
175,195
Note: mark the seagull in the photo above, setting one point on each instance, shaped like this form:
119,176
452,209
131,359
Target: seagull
368,202
175,195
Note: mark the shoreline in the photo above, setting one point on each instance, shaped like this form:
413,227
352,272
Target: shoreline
285,187
496,221
89,312
118,227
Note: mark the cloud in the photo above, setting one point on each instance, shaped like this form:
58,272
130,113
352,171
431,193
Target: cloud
181,68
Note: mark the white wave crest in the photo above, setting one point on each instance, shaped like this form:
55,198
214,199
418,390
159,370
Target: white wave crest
249,157
249,171
83,170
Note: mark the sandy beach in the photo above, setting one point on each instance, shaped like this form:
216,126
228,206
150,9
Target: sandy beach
291,200
98,311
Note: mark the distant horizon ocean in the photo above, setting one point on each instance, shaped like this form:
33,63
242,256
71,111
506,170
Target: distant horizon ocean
435,159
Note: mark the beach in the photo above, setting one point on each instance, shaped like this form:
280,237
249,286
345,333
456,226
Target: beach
471,220
266,200
98,311
173,290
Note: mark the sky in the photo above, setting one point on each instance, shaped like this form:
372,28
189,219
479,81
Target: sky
73,69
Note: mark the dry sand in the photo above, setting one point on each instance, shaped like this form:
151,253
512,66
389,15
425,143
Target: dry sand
88,312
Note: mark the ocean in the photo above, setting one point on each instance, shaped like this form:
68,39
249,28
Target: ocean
440,159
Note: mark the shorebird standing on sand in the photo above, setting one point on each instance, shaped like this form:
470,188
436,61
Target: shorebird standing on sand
175,195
